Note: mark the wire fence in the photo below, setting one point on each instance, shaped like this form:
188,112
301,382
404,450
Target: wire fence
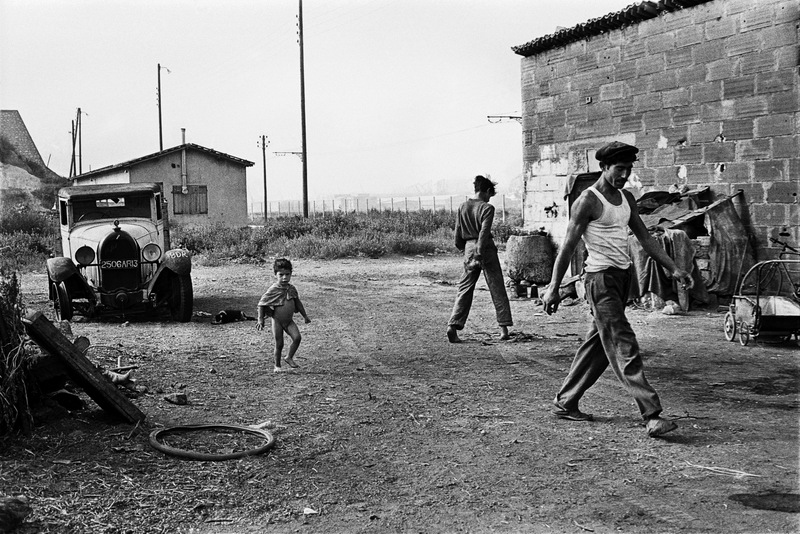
319,208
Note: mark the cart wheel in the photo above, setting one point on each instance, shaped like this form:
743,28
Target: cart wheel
744,337
730,327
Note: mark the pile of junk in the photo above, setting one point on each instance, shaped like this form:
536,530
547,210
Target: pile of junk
706,238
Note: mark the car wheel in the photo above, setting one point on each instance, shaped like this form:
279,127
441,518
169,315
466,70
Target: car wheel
181,298
62,303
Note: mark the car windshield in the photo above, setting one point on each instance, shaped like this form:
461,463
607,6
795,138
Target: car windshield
112,207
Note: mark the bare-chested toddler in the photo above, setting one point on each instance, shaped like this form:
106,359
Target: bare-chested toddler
281,302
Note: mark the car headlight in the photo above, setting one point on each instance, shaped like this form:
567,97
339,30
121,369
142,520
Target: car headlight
151,252
84,255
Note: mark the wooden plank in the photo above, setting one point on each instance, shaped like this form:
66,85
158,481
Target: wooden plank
701,211
683,298
79,368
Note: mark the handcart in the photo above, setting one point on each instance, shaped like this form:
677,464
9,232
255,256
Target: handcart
767,303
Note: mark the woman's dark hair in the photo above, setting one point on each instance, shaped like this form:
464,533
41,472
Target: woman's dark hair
281,264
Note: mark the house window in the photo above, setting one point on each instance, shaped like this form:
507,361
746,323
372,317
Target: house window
193,202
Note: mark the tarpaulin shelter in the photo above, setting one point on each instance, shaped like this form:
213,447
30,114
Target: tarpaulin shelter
675,220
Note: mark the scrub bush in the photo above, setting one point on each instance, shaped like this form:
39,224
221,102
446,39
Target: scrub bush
15,383
27,238
373,234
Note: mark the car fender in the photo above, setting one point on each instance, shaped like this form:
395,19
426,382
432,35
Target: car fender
59,269
62,269
176,261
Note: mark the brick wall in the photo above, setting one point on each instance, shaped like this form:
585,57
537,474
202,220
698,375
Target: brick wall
710,94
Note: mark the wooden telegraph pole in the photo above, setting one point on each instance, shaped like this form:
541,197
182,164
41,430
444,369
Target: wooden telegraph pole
73,170
264,144
80,143
158,95
160,134
303,111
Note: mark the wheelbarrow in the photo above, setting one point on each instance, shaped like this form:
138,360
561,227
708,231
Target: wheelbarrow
767,303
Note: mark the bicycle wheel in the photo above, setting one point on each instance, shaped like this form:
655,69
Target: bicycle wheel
730,327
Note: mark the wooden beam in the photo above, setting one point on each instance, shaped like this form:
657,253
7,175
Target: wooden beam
79,368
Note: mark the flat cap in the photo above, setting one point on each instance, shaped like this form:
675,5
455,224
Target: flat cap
616,151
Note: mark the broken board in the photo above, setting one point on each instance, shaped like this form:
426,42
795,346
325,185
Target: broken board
79,368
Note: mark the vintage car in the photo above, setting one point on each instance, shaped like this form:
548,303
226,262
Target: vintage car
115,261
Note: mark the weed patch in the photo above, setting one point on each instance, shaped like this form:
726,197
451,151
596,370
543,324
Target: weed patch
374,234
28,237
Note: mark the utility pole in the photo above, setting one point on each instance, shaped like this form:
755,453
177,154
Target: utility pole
264,145
80,143
303,110
158,96
72,167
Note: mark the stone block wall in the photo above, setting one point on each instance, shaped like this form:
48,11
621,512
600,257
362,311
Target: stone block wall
13,130
710,94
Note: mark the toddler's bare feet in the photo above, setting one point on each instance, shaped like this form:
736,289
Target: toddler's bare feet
452,335
290,362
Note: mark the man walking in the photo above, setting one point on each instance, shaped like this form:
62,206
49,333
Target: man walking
474,238
601,217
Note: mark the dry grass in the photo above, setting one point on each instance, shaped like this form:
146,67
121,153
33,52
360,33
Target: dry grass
98,480
14,381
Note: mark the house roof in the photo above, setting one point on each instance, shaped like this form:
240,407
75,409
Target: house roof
156,155
633,14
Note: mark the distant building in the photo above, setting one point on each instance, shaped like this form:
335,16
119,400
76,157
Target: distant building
707,89
201,185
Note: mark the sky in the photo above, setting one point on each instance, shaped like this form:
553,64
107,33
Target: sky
397,92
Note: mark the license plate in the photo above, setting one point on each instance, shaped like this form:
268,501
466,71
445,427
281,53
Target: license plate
119,264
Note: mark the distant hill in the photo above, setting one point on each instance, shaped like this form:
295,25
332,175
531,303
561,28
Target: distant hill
24,178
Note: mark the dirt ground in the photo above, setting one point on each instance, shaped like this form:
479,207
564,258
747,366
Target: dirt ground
386,427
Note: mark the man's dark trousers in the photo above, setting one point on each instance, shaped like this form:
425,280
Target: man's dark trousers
493,273
610,341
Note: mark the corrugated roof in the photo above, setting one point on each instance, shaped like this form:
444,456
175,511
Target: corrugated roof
633,14
178,148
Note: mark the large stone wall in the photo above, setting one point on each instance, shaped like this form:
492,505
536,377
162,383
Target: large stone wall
13,130
710,94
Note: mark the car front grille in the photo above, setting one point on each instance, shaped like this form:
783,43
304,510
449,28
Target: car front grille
119,262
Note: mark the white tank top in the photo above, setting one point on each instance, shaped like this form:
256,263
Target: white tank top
606,238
